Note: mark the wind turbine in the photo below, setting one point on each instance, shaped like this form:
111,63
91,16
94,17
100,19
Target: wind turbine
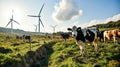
38,16
11,21
35,28
54,28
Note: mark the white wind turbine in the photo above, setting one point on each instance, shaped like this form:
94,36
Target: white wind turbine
54,28
38,16
11,22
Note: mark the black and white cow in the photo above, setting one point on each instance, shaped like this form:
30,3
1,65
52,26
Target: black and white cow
84,35
101,35
27,37
65,36
19,37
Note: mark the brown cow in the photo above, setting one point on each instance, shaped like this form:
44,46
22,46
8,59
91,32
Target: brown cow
112,33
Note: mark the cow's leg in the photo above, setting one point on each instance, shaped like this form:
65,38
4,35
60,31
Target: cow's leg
95,43
104,38
81,46
115,40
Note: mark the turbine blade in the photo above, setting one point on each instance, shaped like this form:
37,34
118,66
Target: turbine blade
52,26
16,22
56,25
41,9
35,25
32,16
41,22
35,28
8,23
12,13
12,16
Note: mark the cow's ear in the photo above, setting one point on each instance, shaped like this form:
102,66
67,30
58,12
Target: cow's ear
69,29
79,28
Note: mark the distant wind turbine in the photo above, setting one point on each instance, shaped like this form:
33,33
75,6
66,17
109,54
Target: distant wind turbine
39,21
11,22
54,28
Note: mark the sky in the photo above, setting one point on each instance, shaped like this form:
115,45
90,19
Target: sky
63,13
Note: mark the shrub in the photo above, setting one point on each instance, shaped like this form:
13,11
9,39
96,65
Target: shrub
3,50
15,44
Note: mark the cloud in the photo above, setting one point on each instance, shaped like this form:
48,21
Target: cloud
101,21
66,10
94,22
62,28
114,18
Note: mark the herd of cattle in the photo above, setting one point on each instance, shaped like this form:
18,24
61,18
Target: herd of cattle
82,36
92,34
22,37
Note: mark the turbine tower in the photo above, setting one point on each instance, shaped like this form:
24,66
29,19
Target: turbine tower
54,28
39,20
11,22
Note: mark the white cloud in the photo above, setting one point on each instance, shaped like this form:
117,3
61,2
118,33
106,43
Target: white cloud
76,23
66,10
114,18
101,21
94,22
62,28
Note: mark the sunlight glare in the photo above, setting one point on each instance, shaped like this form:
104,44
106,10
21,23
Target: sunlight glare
17,14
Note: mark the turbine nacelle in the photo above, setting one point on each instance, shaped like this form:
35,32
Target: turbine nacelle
11,19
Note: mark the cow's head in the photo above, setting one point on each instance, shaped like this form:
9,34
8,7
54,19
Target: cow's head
74,30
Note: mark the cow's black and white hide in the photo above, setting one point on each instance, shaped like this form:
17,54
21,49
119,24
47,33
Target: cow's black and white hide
84,35
27,38
19,37
101,35
65,36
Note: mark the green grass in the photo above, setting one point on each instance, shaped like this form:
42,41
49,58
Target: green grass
67,55
60,53
11,48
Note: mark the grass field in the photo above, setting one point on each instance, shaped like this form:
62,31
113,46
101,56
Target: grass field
56,53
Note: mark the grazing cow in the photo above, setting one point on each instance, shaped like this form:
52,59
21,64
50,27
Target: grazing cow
112,33
101,35
48,36
19,37
7,37
65,36
27,37
84,35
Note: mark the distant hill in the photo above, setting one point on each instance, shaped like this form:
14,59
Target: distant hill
110,24
17,31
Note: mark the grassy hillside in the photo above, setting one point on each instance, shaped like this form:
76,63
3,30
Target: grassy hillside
11,47
67,55
109,25
55,53
17,31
